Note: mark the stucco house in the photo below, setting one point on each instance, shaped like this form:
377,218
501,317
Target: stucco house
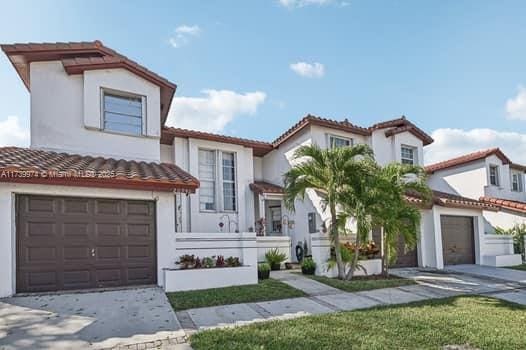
490,177
108,195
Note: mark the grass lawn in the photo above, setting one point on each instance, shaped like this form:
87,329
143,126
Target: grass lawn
265,290
518,267
359,283
482,322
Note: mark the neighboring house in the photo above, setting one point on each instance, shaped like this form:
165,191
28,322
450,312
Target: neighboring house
489,176
99,197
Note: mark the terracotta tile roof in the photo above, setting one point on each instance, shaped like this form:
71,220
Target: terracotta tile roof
45,167
505,203
344,125
400,125
260,148
467,158
449,200
265,187
80,56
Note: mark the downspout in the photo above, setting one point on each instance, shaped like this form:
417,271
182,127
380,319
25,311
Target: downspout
188,199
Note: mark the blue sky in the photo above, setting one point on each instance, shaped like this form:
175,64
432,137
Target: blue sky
455,68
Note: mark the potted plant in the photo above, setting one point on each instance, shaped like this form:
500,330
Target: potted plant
274,258
308,266
263,271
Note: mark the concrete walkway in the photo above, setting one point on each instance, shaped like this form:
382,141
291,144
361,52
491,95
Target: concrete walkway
498,273
325,299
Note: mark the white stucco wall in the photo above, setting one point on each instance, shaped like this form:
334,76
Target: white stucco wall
66,112
467,180
187,157
167,154
503,219
279,161
165,218
389,149
258,168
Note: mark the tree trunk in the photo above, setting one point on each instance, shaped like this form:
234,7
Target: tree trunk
383,250
356,254
337,247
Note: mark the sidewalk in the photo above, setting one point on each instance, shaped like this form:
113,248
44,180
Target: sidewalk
498,273
323,299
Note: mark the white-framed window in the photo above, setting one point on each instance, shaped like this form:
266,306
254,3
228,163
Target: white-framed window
229,181
123,112
494,175
217,175
408,155
339,141
517,182
207,179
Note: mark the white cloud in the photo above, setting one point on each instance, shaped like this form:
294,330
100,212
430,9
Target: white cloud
308,70
12,133
302,3
516,106
183,34
450,143
213,111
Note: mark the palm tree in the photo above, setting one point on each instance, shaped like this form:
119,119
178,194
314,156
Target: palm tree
327,172
359,197
398,218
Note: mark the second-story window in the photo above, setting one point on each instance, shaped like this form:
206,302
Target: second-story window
229,181
123,113
494,175
217,175
408,155
516,182
207,178
337,141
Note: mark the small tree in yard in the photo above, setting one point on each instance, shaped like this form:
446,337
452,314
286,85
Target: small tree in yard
398,218
327,172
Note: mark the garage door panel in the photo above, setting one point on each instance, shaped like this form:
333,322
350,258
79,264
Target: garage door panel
109,277
458,245
40,255
139,209
75,254
74,243
76,206
108,207
140,229
78,229
77,279
140,275
39,228
105,253
110,229
140,252
39,281
41,204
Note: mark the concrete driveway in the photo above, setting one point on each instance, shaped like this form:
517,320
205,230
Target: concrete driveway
87,320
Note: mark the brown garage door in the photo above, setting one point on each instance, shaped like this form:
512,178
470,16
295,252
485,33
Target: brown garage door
75,243
457,240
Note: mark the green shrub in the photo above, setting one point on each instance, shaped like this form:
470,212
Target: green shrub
274,258
263,271
308,266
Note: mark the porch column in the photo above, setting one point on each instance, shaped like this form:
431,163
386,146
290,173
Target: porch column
262,212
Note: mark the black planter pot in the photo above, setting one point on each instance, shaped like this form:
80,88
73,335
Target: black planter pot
275,267
263,275
308,270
